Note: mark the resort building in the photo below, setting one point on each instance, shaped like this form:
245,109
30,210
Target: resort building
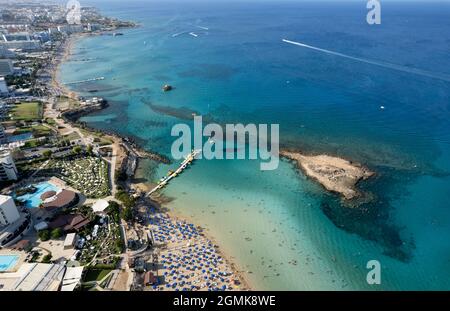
71,222
3,86
100,206
53,201
3,139
34,277
72,278
8,170
13,223
21,41
4,52
6,67
70,240
69,29
8,211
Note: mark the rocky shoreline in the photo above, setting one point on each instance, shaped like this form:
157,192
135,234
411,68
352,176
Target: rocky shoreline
335,174
73,115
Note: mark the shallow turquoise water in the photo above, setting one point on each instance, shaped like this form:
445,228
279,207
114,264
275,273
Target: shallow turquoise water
32,200
7,262
277,225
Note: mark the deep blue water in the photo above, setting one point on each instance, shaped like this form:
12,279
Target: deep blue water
239,70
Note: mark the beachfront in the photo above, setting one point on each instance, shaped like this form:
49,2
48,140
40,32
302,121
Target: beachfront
187,259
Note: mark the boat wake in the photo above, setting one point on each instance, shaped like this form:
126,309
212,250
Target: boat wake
406,69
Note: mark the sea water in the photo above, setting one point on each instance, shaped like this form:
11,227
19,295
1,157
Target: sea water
276,225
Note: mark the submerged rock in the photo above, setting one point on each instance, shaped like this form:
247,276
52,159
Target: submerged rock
167,88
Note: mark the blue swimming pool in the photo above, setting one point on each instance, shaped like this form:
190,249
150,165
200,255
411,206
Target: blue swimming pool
32,200
20,137
7,262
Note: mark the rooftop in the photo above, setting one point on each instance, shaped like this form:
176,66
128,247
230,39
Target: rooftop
4,198
63,199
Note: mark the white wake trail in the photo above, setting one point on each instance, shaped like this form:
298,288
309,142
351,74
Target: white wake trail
416,71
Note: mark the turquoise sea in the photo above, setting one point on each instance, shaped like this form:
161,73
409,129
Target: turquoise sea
279,226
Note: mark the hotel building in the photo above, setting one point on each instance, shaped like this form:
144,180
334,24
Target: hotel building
3,86
8,170
8,211
3,139
6,67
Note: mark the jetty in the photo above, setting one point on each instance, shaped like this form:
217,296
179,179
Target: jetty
172,174
87,80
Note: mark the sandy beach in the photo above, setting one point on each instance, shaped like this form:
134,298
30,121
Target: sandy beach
189,255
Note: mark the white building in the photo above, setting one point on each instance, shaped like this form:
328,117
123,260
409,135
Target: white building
34,277
8,210
8,170
4,52
68,29
6,67
70,241
100,206
3,139
72,278
3,86
20,41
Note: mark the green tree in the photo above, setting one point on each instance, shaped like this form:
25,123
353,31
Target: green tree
127,214
113,210
47,153
56,233
89,149
47,258
127,200
119,246
76,149
44,235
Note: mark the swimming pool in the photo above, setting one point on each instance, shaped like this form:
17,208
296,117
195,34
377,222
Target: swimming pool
20,137
7,262
32,200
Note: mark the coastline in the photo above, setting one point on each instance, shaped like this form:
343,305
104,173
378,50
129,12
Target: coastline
63,54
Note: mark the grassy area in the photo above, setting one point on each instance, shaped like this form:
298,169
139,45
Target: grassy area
96,274
72,136
89,175
27,111
99,138
50,121
65,103
33,143
37,130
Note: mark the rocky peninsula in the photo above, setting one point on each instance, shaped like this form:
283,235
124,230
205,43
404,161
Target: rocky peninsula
333,173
